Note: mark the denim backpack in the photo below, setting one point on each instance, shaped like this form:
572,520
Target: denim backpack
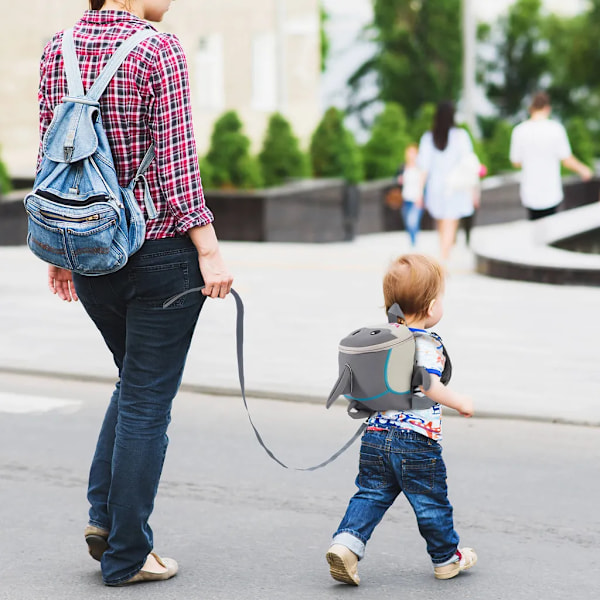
79,218
377,370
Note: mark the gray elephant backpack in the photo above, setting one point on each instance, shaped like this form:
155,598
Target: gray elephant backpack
377,369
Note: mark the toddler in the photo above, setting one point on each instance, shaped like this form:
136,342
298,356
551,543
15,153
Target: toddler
410,178
400,450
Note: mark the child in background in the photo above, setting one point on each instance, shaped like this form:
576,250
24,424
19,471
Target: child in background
400,450
409,178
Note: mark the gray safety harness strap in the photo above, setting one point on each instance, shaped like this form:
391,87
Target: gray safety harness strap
239,334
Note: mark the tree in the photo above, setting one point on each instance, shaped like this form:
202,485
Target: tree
333,149
423,121
520,57
419,56
281,157
384,151
230,162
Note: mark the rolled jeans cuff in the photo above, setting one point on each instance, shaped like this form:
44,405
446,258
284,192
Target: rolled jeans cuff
351,542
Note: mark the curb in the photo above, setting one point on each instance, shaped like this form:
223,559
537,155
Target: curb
284,397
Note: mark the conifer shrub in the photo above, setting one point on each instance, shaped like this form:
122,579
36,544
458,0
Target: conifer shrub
384,151
333,149
230,162
281,158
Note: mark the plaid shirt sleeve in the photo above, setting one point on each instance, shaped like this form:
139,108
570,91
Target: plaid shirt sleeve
170,122
45,110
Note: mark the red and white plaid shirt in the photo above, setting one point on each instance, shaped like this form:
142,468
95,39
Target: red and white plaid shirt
148,100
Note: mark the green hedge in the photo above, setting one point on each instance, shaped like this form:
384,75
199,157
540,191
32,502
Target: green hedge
333,149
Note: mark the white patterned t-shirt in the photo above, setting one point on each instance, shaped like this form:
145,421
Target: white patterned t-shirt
429,354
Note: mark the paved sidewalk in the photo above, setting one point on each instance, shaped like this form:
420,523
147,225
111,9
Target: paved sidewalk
516,347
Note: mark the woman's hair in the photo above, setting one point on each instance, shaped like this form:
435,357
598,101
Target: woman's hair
413,281
443,120
96,4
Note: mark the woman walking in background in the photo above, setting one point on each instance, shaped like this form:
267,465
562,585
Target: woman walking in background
442,153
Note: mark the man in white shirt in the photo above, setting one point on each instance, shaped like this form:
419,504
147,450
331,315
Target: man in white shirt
539,146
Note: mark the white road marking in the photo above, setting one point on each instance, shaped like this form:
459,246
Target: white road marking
20,404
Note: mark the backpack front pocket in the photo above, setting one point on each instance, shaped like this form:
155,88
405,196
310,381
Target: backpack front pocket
83,239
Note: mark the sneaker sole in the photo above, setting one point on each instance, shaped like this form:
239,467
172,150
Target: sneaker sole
97,545
455,572
338,570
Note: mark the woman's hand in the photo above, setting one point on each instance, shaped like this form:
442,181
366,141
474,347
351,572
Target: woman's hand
217,279
60,282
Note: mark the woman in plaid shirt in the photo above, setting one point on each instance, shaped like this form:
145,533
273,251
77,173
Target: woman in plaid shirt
148,101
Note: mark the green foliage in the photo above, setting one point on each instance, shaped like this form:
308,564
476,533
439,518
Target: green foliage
581,140
5,184
384,151
419,57
423,120
333,149
497,148
479,146
281,157
207,174
325,44
229,155
521,57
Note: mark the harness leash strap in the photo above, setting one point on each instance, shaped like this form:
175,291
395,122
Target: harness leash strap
239,334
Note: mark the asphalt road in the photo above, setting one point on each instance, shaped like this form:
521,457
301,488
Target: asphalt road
525,495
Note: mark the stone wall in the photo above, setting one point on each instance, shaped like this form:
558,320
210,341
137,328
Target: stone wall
321,210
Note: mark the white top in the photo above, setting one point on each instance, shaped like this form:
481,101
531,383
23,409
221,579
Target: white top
411,183
429,354
441,199
540,146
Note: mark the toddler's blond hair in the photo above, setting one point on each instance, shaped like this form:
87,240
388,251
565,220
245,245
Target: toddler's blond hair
413,281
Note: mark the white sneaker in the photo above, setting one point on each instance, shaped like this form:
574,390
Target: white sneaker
343,564
466,559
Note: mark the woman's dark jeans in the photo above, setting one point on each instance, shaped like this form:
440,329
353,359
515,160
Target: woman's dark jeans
149,345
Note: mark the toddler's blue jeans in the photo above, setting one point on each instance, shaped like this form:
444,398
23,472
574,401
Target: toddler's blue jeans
149,345
393,461
411,215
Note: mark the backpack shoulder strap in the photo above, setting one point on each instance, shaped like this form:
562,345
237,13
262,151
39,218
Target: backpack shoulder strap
74,84
115,61
73,73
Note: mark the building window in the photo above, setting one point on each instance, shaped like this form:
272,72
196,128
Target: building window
264,72
209,73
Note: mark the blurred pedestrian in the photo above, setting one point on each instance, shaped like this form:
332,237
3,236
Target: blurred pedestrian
409,179
539,146
446,154
147,102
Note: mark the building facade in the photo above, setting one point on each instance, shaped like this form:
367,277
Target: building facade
253,57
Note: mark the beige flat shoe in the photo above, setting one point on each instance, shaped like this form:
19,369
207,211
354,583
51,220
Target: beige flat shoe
147,574
97,541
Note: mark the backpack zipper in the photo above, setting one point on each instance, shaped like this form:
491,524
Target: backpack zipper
55,217
375,348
